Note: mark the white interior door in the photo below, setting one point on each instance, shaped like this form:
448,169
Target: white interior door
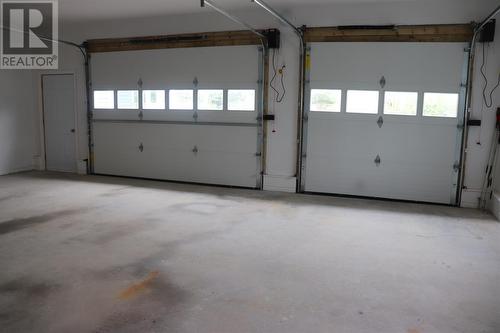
59,122
383,120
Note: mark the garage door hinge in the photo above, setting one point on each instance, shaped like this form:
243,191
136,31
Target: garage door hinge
380,122
382,82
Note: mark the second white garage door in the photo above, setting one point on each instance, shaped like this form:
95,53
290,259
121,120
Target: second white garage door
383,120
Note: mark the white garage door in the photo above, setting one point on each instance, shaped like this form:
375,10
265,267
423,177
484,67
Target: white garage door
179,114
383,120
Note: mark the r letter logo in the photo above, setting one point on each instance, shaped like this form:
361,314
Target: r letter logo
29,29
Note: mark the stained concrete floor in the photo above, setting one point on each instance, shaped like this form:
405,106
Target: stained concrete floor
99,254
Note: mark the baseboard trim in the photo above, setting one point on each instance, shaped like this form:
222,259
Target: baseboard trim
16,170
280,183
495,205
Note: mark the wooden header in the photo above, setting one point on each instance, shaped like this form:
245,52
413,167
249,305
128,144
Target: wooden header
399,33
222,38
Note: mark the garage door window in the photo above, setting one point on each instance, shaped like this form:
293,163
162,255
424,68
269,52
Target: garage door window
400,103
440,105
181,99
128,99
210,99
104,99
241,100
325,100
362,101
153,99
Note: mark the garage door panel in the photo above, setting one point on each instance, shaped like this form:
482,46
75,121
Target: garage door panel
362,178
415,64
191,153
214,66
342,138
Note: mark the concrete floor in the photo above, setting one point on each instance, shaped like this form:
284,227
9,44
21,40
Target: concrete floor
98,254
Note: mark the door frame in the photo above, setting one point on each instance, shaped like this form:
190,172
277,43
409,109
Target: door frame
43,144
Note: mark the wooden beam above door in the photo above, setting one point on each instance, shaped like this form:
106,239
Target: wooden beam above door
397,33
222,38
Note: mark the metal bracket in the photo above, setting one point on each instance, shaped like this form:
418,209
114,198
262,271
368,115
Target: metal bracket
139,83
456,167
141,115
378,160
195,116
380,122
195,150
141,147
195,82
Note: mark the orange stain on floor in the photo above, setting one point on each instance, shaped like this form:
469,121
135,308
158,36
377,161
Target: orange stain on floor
140,287
413,330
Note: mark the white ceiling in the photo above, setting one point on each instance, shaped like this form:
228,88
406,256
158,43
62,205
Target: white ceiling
77,10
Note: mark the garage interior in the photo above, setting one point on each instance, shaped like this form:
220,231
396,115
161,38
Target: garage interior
254,166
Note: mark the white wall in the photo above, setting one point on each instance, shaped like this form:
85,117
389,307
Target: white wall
282,145
480,137
18,132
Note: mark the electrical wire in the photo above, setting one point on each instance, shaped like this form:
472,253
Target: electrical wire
275,73
282,75
279,97
80,47
488,100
